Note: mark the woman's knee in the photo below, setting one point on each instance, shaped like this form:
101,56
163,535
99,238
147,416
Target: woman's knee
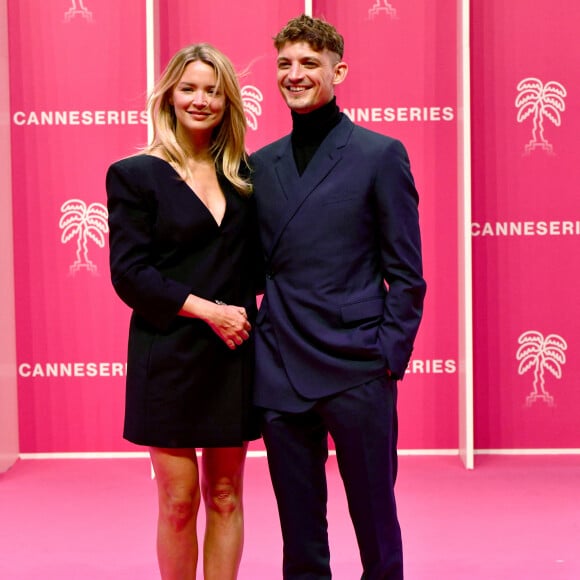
222,497
179,507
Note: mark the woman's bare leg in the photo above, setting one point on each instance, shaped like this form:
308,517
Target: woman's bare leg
177,477
222,488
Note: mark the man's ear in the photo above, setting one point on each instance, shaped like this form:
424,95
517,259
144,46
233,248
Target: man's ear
340,72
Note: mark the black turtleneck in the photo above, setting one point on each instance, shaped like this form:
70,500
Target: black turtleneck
309,131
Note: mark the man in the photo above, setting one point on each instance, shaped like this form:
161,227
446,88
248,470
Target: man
338,217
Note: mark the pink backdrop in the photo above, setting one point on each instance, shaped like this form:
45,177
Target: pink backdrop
77,95
77,89
526,230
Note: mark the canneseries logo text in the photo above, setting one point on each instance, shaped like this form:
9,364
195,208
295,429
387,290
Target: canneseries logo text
540,355
539,103
76,369
437,366
251,97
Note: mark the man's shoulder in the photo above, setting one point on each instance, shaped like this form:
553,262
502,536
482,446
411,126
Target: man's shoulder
379,143
361,132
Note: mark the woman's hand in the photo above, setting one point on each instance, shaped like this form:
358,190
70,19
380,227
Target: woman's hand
229,322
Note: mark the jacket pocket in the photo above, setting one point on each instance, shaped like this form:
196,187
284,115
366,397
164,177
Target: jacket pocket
361,311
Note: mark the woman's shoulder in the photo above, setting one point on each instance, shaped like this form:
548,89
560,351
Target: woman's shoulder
138,161
141,167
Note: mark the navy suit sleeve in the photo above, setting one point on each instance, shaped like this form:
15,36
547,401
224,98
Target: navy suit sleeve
132,211
397,207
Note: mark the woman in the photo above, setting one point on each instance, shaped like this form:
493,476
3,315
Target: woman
182,257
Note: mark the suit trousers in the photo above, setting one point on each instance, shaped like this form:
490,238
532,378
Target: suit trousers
363,424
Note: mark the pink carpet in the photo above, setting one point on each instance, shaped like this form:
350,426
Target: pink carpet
515,518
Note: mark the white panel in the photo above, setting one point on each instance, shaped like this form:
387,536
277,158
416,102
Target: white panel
8,393
152,23
466,443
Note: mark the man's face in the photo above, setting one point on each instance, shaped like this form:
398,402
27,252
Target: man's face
306,77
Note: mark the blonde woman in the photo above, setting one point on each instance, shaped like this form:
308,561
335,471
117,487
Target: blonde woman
182,257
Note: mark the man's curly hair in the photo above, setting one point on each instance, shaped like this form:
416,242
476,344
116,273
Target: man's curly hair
317,33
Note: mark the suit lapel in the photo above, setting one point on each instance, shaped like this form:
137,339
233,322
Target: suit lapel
297,188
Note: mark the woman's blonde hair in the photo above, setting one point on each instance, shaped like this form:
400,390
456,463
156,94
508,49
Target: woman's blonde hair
227,147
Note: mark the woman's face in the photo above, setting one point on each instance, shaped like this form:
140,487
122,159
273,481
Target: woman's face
198,105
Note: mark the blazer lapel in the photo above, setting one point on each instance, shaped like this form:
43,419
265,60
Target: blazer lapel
297,188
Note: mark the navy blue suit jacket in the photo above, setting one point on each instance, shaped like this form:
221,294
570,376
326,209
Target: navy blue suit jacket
332,238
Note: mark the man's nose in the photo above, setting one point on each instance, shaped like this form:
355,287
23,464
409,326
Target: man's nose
295,71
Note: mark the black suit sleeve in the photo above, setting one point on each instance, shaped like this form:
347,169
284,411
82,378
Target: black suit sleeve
132,213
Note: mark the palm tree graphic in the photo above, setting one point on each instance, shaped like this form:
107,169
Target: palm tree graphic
541,354
83,223
543,102
382,6
252,100
75,10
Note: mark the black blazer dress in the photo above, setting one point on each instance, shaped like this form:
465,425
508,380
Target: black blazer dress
184,387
